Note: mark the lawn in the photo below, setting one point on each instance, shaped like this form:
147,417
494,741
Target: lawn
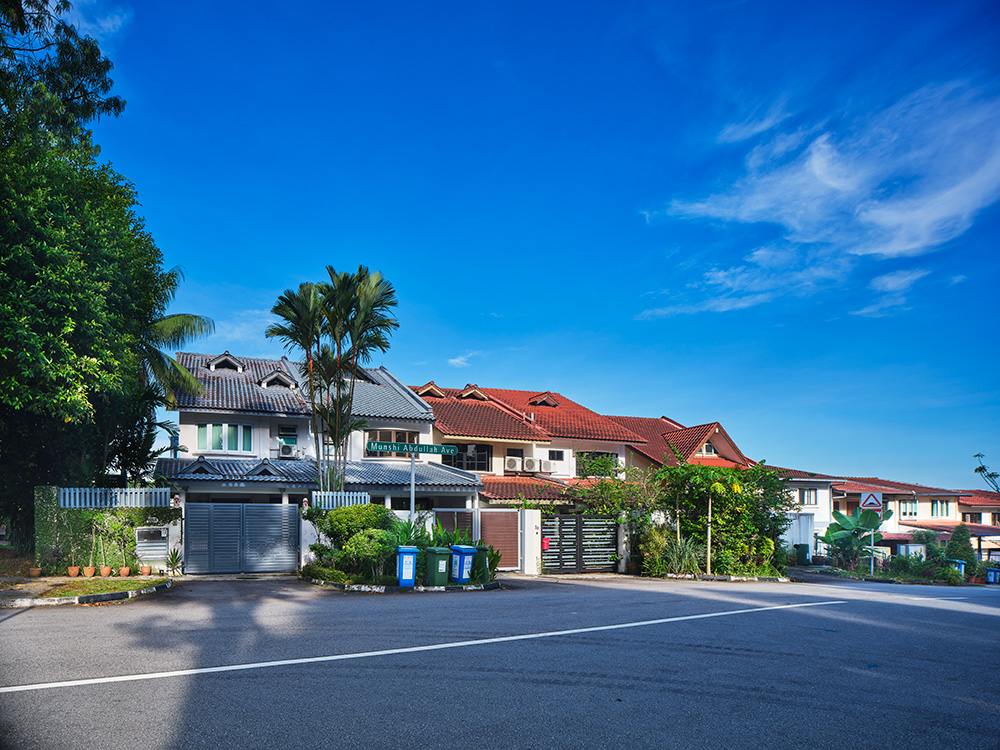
83,586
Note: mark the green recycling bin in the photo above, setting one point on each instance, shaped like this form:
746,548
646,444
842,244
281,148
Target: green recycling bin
437,566
481,565
802,554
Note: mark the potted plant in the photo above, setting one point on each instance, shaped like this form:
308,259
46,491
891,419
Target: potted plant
145,570
89,570
73,570
125,571
34,572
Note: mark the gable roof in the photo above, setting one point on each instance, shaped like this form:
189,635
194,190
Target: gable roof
530,489
875,484
662,437
240,390
458,417
383,396
800,474
566,419
979,498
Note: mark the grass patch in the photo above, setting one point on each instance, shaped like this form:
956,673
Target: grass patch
13,563
82,587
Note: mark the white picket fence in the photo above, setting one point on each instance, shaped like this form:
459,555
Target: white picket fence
101,497
331,500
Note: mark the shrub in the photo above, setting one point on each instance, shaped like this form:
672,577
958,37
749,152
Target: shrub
960,547
339,525
952,576
324,573
369,550
663,554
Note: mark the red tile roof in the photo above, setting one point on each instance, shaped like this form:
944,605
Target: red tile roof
975,529
979,498
529,489
473,417
799,474
902,487
654,431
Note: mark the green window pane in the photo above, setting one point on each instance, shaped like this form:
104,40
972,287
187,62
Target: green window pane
232,437
247,437
202,436
216,437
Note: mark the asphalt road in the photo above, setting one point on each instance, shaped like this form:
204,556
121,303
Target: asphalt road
838,665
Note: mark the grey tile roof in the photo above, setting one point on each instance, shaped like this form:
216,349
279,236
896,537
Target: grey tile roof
360,474
379,396
229,390
298,471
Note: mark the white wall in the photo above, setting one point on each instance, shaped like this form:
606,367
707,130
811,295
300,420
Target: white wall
265,434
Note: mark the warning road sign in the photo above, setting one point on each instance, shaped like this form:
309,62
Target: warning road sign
871,501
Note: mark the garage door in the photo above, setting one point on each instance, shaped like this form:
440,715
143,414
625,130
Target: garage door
573,543
240,538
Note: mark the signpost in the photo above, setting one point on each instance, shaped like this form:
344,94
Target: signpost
413,449
872,501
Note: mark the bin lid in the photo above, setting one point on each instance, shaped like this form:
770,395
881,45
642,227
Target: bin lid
463,548
403,548
439,550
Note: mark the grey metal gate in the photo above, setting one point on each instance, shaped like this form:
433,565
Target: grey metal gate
240,538
573,543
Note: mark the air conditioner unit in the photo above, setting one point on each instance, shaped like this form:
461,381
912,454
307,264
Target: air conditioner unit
532,464
286,451
548,466
512,463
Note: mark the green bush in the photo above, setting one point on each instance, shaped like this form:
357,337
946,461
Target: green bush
369,550
663,554
324,573
339,525
959,547
952,576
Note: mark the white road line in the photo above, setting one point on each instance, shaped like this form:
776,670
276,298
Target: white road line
392,651
936,598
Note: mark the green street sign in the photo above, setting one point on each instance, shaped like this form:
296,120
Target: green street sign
440,450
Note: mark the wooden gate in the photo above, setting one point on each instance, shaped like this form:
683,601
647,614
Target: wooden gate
501,530
573,543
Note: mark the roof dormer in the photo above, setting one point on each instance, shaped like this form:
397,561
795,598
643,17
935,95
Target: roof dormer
226,361
472,391
429,389
277,377
543,399
264,469
203,466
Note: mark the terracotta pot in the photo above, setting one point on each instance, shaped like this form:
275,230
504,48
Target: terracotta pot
145,570
89,572
34,572
74,571
105,571
124,572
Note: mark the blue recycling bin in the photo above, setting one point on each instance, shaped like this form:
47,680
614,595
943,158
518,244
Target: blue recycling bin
992,575
461,562
406,565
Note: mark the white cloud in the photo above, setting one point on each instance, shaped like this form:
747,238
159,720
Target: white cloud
98,19
900,182
243,328
755,124
463,360
897,281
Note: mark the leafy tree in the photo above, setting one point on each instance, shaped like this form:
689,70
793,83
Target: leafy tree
959,547
848,536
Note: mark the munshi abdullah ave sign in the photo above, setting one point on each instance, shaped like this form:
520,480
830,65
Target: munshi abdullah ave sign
439,450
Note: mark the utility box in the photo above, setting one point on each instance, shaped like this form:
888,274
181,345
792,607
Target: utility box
992,575
916,550
461,562
437,566
152,543
406,565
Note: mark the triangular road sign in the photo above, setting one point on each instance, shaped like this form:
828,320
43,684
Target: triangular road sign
871,501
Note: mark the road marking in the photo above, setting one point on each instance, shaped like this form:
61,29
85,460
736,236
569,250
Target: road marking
936,598
392,651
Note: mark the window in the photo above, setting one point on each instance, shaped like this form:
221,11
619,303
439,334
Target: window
585,462
389,436
227,438
555,455
972,518
807,496
908,508
471,457
940,508
516,452
995,520
707,450
288,434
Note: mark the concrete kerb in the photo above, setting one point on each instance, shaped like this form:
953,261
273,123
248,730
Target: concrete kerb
55,601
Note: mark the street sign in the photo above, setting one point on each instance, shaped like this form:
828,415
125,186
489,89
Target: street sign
440,450
871,501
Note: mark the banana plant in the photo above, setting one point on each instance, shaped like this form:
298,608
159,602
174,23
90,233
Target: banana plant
848,536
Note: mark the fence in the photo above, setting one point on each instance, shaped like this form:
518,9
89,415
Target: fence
101,497
331,500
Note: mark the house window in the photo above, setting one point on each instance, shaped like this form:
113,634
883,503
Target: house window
836,505
807,496
908,508
972,518
995,519
707,450
288,434
225,438
585,460
389,436
940,508
471,457
516,452
555,455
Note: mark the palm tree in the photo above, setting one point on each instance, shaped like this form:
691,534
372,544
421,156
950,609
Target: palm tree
302,313
170,332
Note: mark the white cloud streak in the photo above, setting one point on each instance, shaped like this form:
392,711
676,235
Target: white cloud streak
898,183
463,360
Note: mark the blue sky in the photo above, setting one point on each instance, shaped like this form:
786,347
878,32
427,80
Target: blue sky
780,216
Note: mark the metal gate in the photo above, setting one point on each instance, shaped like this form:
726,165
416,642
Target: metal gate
501,529
240,538
574,543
